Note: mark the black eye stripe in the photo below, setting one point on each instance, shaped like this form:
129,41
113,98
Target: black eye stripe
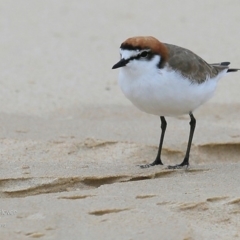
148,57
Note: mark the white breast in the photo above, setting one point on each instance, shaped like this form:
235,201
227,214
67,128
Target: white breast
164,92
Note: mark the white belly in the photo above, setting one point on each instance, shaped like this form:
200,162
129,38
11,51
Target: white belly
165,93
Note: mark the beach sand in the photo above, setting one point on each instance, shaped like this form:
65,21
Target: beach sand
71,142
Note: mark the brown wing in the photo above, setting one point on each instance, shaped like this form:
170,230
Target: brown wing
191,65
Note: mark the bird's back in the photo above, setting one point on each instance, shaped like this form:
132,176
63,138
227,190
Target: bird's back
191,65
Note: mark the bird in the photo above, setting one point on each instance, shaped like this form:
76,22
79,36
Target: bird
168,81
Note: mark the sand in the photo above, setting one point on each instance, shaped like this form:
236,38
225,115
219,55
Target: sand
71,143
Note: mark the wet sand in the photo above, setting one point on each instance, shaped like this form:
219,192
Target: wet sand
71,143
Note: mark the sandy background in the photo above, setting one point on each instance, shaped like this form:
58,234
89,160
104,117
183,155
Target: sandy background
71,143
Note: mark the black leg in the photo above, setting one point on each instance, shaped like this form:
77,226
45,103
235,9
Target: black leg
186,158
158,160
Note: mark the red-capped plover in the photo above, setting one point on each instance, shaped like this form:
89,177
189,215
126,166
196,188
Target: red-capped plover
166,80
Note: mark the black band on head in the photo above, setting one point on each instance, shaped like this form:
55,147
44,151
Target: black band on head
126,46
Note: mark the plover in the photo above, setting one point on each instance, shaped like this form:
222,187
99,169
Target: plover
167,81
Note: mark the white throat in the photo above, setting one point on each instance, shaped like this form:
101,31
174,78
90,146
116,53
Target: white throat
140,66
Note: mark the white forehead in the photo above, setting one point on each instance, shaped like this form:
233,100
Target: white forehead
126,54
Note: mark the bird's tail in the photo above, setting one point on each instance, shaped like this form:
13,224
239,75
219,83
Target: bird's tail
224,65
233,69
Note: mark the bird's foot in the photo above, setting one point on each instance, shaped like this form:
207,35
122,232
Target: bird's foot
156,162
178,166
184,164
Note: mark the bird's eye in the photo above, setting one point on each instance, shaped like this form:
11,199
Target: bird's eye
144,54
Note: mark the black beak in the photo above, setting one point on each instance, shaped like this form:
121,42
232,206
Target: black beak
121,63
